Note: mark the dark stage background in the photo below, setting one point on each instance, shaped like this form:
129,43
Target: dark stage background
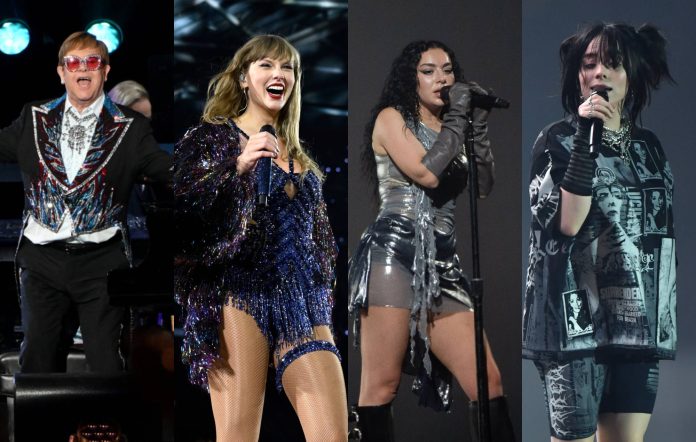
545,24
206,36
144,55
485,37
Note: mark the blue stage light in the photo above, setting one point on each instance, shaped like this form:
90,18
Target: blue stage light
14,36
108,32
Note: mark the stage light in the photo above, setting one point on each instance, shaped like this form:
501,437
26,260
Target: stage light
108,32
14,36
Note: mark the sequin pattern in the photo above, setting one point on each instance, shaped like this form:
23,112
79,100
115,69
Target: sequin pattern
89,198
298,351
287,289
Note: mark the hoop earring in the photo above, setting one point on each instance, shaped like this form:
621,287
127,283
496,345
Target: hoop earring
246,102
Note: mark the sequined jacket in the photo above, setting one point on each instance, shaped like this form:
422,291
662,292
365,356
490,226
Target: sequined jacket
122,149
216,208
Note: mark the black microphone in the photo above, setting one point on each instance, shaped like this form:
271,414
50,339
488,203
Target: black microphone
263,188
597,127
479,100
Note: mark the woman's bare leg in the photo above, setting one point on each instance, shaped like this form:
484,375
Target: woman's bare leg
586,439
238,379
452,341
622,427
383,343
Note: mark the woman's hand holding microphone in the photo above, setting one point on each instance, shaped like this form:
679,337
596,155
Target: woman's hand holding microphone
449,141
259,145
595,106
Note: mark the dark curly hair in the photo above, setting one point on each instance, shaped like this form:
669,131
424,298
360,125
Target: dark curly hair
400,92
640,51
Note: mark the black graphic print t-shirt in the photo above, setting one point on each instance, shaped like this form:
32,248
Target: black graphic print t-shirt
610,290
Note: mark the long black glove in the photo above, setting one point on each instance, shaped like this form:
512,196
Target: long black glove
578,176
449,142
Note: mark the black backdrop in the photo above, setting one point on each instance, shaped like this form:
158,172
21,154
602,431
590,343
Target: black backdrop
485,36
144,55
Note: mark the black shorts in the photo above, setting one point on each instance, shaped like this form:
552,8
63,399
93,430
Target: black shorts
578,391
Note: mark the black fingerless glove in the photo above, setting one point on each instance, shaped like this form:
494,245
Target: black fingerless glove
578,176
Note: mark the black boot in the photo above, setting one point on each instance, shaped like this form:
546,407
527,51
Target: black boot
373,424
501,425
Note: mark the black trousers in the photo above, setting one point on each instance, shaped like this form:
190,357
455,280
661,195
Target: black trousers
58,288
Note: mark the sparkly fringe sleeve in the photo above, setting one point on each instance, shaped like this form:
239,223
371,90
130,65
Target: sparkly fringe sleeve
207,186
214,206
327,250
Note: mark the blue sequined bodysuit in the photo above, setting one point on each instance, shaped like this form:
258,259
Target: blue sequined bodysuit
280,286
274,263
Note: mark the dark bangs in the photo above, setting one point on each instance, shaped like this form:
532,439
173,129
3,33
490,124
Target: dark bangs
611,48
641,52
612,51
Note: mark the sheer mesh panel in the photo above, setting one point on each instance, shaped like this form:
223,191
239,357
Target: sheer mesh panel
390,286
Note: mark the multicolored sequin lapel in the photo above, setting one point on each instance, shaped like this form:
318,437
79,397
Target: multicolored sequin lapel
111,128
88,198
47,120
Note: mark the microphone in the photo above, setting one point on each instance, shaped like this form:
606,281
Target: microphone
263,188
479,100
597,127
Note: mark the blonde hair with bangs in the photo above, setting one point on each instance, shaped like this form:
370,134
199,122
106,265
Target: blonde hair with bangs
227,100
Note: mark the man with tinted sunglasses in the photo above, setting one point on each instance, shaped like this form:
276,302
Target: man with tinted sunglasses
79,156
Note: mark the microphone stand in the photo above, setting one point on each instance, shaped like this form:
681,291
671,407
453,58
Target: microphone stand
477,290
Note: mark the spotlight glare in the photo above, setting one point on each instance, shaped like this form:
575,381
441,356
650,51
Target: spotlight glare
108,32
14,36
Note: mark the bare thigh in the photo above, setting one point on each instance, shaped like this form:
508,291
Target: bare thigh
383,342
452,341
586,439
238,378
622,427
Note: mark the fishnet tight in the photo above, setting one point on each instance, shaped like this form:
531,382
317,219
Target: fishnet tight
313,383
238,379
